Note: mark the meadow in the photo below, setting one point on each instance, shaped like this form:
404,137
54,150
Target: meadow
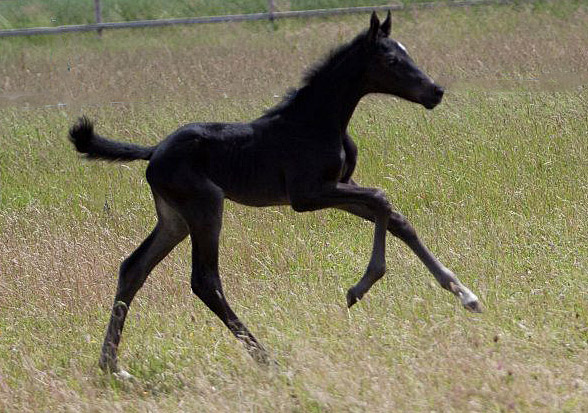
27,13
495,180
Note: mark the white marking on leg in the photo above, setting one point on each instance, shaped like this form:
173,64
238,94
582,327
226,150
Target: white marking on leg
467,297
123,375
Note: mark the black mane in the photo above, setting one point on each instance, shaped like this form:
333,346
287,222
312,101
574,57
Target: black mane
318,73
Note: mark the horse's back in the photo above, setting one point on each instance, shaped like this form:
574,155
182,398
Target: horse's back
240,159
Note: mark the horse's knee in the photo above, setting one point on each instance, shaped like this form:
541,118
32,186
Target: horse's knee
204,285
383,204
400,226
196,286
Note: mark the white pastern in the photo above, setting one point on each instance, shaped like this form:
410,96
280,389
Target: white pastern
124,375
467,297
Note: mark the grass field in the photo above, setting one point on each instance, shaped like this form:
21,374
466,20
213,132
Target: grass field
26,13
495,180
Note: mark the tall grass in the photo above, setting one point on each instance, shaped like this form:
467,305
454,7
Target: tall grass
495,180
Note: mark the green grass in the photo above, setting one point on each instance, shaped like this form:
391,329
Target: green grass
28,13
495,180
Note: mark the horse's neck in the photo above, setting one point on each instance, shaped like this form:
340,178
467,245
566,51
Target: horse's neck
336,103
331,100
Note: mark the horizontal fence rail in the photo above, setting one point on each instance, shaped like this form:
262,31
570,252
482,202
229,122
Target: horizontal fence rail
271,15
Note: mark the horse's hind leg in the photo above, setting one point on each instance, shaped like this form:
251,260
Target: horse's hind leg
204,217
168,232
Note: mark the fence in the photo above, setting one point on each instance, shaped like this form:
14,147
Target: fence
271,15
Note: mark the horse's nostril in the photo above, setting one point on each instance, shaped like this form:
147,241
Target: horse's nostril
439,91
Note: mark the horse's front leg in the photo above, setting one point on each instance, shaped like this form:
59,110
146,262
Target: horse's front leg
370,199
399,226
377,266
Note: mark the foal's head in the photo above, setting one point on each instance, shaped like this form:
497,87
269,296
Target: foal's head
390,69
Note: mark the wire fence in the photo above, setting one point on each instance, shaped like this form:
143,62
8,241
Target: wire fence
270,15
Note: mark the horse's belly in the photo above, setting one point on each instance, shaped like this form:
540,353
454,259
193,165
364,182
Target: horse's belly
256,188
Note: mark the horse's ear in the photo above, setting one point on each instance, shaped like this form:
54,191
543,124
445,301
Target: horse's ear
387,25
372,33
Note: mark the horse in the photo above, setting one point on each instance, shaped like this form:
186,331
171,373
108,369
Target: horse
298,153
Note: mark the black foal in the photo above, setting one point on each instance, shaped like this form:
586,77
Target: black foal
298,154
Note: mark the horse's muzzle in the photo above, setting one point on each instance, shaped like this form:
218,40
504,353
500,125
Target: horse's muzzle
434,98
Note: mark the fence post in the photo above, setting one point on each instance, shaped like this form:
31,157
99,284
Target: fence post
270,9
98,14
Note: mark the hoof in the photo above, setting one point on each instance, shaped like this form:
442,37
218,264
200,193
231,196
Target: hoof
261,357
474,307
123,375
268,362
468,299
351,298
108,364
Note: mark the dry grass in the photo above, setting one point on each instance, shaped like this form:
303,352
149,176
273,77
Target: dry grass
495,179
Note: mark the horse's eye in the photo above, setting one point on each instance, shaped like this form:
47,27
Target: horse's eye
393,60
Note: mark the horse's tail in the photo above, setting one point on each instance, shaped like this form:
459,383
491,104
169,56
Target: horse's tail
94,146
